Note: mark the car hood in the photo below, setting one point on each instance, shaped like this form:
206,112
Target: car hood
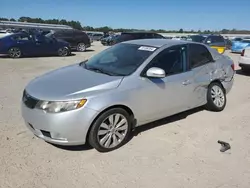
69,83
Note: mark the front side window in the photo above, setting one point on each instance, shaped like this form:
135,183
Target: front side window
198,55
171,60
119,60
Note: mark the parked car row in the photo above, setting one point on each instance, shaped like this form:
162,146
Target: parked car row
36,43
22,44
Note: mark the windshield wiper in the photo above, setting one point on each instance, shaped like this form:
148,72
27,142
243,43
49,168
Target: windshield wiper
99,70
95,69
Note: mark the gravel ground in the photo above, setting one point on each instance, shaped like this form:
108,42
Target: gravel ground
177,152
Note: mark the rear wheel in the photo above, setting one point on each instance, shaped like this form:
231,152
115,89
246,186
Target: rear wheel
81,47
111,130
63,51
216,97
15,52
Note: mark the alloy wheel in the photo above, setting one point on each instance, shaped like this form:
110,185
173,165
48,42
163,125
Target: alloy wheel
15,53
218,96
63,52
112,130
81,47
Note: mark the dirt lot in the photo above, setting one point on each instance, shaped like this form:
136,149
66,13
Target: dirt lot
177,152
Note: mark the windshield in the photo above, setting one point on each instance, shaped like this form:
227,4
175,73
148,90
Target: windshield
119,60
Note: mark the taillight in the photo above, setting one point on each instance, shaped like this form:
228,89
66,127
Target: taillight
243,52
233,67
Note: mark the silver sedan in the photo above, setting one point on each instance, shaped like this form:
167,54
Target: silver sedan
101,100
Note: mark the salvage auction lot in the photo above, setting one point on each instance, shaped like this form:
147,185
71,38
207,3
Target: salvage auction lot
181,151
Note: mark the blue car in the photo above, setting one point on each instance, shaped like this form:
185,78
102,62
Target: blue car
22,44
238,46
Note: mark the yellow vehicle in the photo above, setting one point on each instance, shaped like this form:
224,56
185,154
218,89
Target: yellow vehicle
214,41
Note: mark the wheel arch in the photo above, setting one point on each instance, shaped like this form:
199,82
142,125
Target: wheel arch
124,107
219,82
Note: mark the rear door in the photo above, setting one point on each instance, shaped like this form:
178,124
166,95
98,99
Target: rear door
201,65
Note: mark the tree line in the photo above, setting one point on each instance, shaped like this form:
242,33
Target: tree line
77,25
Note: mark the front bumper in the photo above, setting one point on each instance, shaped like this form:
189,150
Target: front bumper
66,128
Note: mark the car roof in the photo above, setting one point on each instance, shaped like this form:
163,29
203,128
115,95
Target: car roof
156,42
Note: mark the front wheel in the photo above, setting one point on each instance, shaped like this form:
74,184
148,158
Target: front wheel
111,130
216,97
15,52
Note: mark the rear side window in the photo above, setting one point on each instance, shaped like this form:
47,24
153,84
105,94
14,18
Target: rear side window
198,55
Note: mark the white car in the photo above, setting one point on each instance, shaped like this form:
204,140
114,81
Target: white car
244,61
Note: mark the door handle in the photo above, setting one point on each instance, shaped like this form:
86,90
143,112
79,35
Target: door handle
186,82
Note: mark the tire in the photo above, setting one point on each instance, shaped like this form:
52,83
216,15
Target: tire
15,52
104,137
216,97
63,52
81,47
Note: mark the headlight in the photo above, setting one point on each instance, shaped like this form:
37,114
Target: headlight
61,106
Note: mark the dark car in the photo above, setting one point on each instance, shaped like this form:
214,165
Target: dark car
96,36
214,41
110,40
77,39
22,44
125,36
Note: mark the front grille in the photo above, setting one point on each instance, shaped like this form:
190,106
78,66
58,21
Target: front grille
29,101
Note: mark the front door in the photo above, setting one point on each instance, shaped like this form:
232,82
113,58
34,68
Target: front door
170,95
45,45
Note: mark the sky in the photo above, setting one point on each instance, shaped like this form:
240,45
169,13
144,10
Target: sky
141,14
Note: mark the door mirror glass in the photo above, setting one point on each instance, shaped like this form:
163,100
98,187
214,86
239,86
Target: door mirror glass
155,72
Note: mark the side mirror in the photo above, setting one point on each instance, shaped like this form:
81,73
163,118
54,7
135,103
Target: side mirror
155,72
